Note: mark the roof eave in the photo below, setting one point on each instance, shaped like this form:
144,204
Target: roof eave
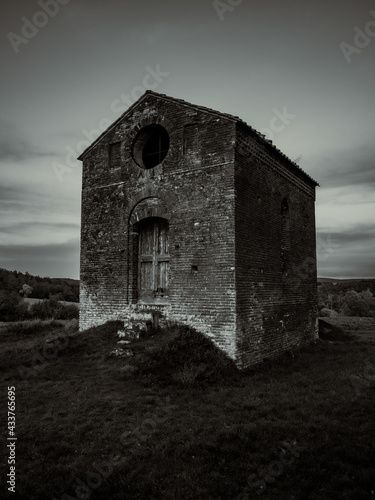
278,152
112,126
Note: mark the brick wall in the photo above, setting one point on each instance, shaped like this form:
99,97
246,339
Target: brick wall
242,269
193,188
275,253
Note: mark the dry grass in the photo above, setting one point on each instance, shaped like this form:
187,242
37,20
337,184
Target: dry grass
177,421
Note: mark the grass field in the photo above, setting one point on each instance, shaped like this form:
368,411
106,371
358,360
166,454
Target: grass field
173,419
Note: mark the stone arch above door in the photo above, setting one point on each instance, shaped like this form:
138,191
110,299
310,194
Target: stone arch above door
149,207
145,210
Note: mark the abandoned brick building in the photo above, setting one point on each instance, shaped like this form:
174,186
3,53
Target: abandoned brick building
190,214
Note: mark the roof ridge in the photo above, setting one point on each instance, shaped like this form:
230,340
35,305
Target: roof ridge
205,109
236,119
199,106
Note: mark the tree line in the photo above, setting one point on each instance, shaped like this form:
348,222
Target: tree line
16,286
26,285
347,298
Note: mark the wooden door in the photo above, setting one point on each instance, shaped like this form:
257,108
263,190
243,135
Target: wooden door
153,276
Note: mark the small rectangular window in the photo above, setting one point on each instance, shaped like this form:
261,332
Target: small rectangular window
191,139
115,155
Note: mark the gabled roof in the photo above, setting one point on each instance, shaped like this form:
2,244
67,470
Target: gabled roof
227,116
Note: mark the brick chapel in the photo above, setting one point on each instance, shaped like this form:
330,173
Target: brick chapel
191,215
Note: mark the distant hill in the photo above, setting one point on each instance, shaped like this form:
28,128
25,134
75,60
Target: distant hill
66,289
342,280
333,285
30,302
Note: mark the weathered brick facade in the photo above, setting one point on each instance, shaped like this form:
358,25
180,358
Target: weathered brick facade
192,215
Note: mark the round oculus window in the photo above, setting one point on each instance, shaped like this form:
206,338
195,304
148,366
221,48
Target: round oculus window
150,146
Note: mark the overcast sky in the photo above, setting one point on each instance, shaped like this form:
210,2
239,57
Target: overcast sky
69,72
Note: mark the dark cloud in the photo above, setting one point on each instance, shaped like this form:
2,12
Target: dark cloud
16,147
361,234
29,216
346,168
20,151
20,196
347,254
25,197
55,261
10,193
52,226
345,265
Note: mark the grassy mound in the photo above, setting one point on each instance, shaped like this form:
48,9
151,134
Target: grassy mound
173,355
182,355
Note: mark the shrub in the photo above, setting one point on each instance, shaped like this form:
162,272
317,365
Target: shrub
71,326
358,304
69,311
12,307
52,308
33,326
